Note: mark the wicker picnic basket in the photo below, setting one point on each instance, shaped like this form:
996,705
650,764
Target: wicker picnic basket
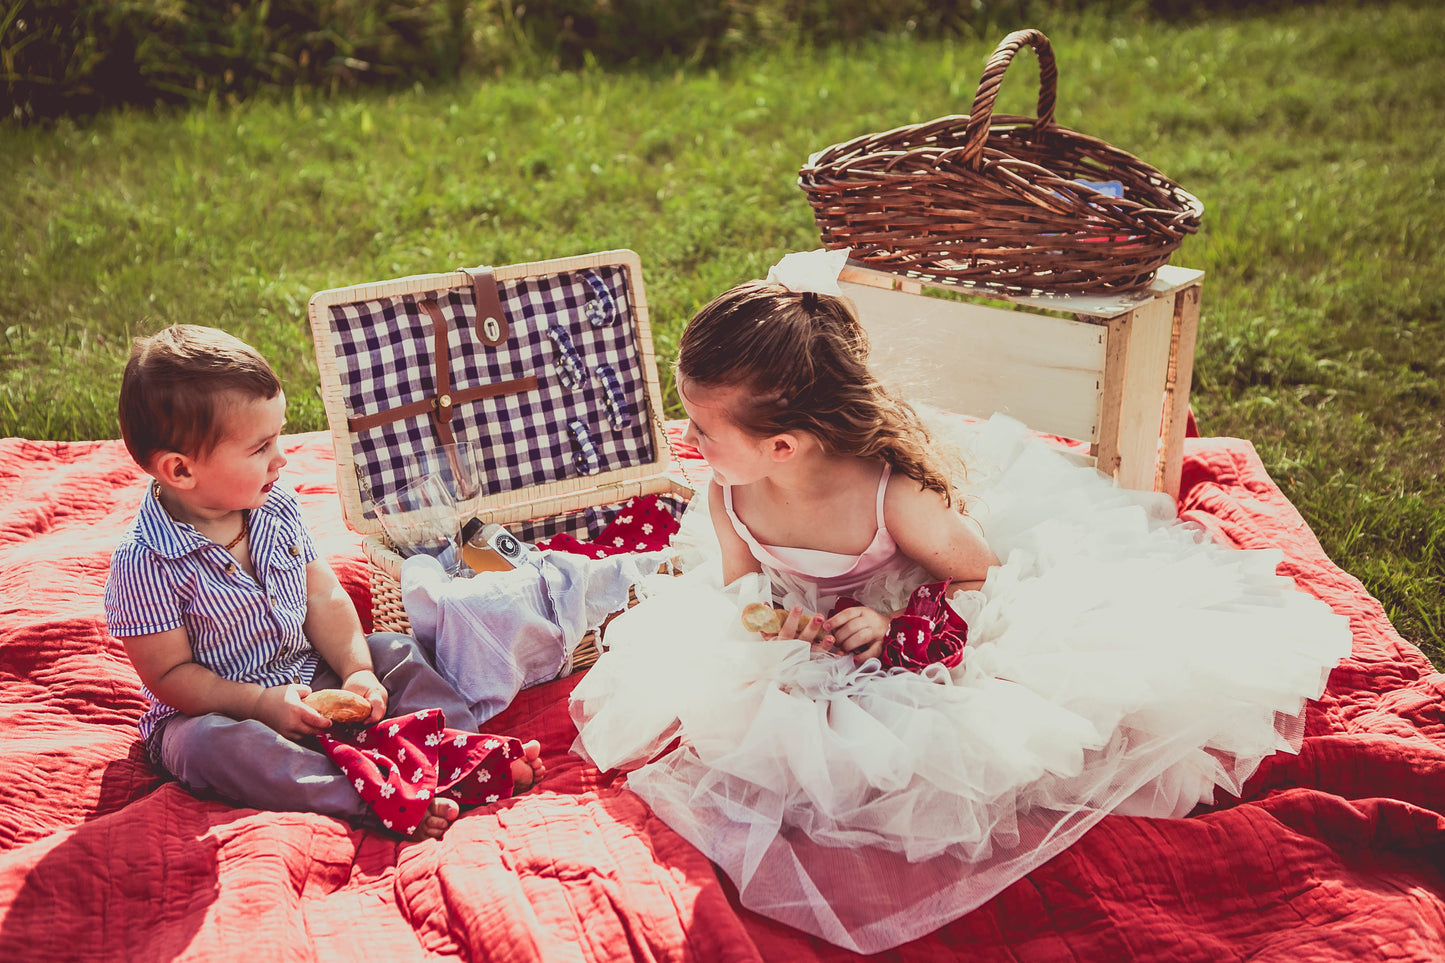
1016,203
510,358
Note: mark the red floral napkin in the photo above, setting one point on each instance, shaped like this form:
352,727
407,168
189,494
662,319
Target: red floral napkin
641,526
399,765
928,631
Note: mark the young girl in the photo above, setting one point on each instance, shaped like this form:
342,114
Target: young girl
867,790
820,476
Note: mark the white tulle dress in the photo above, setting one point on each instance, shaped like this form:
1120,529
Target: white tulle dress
1117,661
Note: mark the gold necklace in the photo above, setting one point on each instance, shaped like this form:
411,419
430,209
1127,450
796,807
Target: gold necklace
245,520
245,530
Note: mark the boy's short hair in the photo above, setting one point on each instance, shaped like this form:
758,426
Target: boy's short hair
175,385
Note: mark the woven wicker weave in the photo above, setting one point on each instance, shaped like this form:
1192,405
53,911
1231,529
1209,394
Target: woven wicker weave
995,200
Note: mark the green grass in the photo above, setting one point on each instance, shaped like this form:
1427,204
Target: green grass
1312,136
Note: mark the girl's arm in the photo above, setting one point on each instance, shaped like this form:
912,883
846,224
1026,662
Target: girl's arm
933,534
164,662
334,630
947,543
737,558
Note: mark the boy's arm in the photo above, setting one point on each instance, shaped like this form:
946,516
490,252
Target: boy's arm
334,631
164,663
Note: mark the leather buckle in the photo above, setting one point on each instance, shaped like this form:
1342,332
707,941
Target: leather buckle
492,325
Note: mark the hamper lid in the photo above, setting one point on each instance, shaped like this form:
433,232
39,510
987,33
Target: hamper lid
547,366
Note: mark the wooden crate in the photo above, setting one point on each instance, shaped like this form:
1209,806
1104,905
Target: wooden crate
1113,371
377,349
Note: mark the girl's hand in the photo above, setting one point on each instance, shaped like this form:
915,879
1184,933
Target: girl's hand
365,684
858,631
797,626
281,708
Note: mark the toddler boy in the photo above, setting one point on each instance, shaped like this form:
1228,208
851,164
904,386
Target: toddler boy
224,607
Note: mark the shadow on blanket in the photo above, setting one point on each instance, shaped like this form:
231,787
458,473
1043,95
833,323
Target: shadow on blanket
1335,854
185,851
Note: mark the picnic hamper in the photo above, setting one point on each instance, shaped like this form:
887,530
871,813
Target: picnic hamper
547,366
1016,203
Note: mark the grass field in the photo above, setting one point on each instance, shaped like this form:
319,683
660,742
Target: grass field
1313,137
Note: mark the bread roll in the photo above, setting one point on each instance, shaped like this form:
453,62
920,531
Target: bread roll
760,617
339,705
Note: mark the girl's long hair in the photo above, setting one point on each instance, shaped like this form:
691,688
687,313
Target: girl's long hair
803,358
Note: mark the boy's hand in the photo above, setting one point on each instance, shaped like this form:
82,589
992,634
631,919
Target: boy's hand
858,631
365,684
281,708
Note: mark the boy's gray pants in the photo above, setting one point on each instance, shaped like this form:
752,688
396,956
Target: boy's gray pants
252,764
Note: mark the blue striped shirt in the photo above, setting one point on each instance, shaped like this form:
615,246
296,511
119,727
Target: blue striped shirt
164,574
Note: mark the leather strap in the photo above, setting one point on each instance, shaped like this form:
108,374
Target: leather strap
492,326
441,405
442,377
515,386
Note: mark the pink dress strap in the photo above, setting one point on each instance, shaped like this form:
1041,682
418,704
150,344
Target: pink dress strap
815,563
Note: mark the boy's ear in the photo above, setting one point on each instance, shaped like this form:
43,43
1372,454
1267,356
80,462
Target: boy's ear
173,469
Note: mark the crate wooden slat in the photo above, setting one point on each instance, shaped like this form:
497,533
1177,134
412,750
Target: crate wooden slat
1112,370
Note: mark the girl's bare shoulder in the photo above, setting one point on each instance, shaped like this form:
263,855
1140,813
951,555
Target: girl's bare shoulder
907,497
934,533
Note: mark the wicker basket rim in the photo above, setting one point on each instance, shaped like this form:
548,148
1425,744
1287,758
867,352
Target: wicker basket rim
841,167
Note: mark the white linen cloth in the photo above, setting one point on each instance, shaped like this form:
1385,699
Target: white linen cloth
496,633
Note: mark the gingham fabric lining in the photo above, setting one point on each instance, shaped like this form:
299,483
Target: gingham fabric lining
384,350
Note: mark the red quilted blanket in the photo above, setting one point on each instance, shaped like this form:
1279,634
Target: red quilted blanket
1337,854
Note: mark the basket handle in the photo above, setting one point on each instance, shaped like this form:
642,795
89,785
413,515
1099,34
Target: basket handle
981,115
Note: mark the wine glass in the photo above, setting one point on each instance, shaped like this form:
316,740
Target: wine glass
422,519
458,465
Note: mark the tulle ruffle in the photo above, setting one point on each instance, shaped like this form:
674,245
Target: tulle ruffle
1116,661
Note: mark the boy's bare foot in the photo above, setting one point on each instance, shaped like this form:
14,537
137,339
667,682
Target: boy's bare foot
528,771
439,815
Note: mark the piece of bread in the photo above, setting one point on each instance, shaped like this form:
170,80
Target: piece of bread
761,617
339,705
